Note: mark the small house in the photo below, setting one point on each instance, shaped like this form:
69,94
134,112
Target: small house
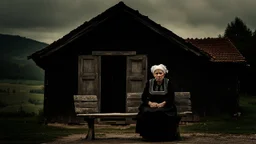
110,57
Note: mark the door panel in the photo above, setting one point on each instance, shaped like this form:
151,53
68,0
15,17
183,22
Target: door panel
88,80
136,79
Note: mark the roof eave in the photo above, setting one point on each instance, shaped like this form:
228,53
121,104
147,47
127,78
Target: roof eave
167,36
228,61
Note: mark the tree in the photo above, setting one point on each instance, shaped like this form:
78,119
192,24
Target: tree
238,30
254,35
239,34
242,37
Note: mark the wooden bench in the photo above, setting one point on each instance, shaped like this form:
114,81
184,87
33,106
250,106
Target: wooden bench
86,106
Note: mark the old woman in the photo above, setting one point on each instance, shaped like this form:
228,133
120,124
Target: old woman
157,119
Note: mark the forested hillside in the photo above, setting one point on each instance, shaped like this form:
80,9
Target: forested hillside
13,58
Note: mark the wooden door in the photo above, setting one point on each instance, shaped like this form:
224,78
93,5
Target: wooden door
88,83
135,82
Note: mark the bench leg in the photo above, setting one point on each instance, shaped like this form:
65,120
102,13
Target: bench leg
90,134
178,137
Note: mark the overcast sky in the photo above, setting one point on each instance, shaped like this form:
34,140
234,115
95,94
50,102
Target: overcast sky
48,20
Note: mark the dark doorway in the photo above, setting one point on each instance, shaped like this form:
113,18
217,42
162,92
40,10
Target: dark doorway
113,84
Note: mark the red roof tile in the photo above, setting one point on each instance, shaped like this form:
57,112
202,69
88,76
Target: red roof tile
220,49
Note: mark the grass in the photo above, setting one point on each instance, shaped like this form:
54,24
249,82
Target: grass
23,88
14,102
27,130
19,97
28,108
24,82
245,124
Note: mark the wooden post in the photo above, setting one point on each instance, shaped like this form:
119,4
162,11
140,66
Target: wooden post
177,135
91,133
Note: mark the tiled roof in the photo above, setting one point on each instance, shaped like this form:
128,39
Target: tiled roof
220,49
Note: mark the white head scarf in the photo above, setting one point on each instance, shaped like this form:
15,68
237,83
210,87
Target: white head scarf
161,67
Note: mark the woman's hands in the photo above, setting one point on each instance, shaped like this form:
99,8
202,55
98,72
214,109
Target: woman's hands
162,104
156,105
152,104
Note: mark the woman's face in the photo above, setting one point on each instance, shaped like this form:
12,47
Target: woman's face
159,75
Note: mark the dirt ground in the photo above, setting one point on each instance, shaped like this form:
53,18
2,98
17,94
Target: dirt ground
188,138
135,139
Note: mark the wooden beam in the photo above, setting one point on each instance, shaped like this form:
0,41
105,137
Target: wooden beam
112,53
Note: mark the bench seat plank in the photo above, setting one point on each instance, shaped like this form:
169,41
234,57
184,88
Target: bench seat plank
99,115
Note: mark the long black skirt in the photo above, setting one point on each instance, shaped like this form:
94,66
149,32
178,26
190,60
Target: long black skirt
157,125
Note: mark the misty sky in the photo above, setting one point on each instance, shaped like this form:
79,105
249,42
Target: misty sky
48,20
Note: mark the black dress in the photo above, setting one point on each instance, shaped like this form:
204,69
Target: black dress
158,123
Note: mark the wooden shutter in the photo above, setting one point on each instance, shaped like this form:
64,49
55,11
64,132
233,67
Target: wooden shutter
136,79
88,84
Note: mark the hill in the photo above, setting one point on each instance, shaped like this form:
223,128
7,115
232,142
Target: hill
13,58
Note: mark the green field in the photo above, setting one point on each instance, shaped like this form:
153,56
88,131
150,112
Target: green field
24,82
18,97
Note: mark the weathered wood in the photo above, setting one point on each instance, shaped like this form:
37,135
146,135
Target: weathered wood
124,53
184,113
136,67
85,98
91,133
86,110
182,94
182,101
178,97
133,103
88,74
136,76
106,115
183,108
86,104
98,115
132,109
88,77
134,95
88,84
